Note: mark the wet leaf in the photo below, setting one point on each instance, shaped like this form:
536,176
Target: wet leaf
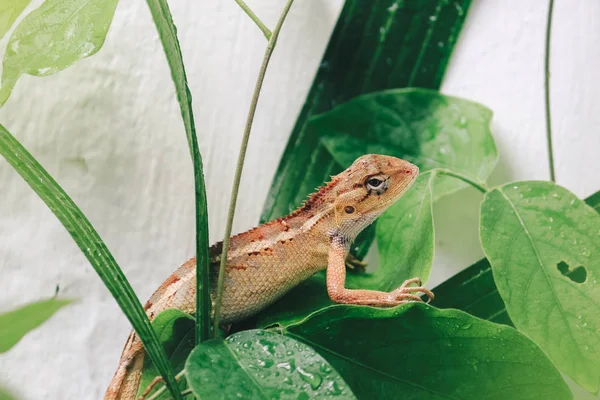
418,352
17,323
258,364
527,230
53,37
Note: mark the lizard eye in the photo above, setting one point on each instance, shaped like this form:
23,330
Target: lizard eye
376,183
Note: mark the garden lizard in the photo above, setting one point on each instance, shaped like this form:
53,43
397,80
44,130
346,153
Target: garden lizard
266,262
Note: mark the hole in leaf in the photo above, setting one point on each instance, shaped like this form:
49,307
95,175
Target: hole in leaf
577,275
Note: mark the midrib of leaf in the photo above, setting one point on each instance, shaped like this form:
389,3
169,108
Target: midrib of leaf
237,360
547,278
417,65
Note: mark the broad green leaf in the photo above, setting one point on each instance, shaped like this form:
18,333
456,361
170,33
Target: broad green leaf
92,246
418,352
9,11
535,234
424,127
258,364
374,46
175,330
474,290
419,125
53,37
168,37
17,323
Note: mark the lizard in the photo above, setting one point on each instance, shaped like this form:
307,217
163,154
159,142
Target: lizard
266,262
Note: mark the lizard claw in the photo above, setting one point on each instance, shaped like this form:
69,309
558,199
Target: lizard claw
405,293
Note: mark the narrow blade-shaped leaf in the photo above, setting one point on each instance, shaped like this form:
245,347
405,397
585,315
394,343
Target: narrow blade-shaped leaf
418,352
9,12
544,247
374,46
92,246
15,324
258,364
53,37
168,36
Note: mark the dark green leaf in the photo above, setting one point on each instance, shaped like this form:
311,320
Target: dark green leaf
422,126
257,364
374,46
474,290
418,352
15,324
90,243
537,235
53,37
175,330
168,36
9,11
419,125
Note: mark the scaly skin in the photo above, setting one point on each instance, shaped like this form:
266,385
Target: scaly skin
266,262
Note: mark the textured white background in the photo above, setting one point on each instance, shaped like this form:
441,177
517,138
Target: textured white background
109,130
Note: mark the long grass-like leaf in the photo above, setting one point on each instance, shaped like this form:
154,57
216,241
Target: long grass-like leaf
92,246
168,37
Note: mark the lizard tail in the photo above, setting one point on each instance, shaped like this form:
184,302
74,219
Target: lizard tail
126,381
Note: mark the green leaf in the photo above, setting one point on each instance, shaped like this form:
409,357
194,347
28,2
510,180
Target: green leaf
258,364
422,126
9,11
53,37
168,37
17,323
418,352
419,125
92,246
405,239
534,233
473,290
374,46
175,331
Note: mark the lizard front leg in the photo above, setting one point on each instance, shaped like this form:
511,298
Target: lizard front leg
336,280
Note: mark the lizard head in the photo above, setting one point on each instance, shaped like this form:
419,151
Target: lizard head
367,188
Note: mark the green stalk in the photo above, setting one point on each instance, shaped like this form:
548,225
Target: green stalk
477,185
168,37
92,246
255,18
240,163
547,92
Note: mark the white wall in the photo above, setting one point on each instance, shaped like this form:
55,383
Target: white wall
109,130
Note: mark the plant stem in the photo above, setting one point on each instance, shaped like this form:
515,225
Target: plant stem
240,163
160,390
547,92
255,18
477,185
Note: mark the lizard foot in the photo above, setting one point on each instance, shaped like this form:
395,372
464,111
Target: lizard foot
406,293
355,265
